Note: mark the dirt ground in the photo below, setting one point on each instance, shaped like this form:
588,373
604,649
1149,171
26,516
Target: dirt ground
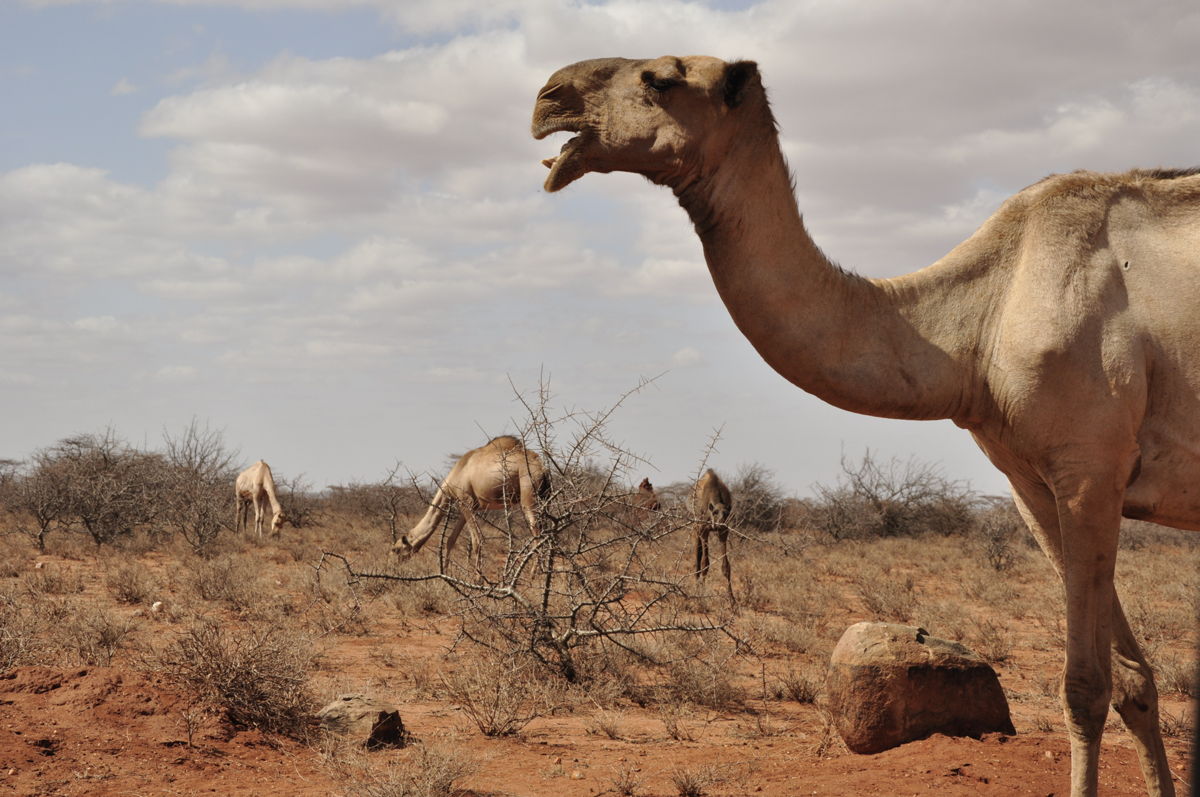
78,722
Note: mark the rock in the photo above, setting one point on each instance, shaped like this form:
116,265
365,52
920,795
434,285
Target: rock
375,723
890,684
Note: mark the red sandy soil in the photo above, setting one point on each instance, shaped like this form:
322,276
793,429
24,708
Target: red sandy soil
117,730
108,731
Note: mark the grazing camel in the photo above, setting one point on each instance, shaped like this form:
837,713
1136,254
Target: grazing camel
711,505
256,486
1063,334
494,476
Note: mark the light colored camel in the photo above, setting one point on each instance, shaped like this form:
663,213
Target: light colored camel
500,474
1063,334
255,486
711,505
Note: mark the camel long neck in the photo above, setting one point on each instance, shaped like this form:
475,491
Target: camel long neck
873,347
269,487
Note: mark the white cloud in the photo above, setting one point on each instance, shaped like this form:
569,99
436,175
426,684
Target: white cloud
123,87
686,356
176,374
104,323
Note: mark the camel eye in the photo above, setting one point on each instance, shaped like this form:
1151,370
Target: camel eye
659,84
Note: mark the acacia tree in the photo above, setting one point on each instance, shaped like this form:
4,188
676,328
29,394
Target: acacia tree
109,487
198,484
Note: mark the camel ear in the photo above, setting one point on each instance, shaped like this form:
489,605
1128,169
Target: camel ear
738,77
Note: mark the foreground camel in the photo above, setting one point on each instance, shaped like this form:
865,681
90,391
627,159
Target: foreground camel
494,476
1063,334
256,486
711,505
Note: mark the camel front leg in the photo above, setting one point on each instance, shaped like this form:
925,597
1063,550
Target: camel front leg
1135,697
701,534
726,570
1061,527
454,522
474,536
259,511
1089,512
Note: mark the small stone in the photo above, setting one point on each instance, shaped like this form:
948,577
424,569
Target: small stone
576,774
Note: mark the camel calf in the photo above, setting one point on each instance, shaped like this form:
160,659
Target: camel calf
494,476
256,486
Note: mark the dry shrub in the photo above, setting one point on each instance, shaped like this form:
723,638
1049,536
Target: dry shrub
230,579
672,716
501,695
50,580
256,677
703,684
992,640
131,582
888,597
95,635
878,499
424,771
19,640
607,723
803,687
999,529
625,781
694,781
1174,675
13,558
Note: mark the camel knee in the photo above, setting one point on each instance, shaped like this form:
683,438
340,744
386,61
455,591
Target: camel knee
1086,693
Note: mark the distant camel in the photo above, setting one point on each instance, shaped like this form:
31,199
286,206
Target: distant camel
641,503
256,486
711,505
645,497
494,476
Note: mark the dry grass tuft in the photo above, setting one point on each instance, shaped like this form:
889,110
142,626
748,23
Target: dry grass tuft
255,677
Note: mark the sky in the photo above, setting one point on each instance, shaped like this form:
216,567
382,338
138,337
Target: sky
318,226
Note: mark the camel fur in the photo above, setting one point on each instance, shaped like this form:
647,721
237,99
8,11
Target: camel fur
1063,334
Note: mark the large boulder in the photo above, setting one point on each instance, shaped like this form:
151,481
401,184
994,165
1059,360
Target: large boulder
889,684
365,720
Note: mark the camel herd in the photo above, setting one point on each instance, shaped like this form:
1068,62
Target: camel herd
501,474
1062,335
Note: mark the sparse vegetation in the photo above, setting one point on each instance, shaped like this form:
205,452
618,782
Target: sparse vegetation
597,611
253,676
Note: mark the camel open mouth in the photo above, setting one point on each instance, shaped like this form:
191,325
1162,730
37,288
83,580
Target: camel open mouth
567,166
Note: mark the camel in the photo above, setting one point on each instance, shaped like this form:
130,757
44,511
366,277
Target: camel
1062,334
711,505
496,475
255,485
645,497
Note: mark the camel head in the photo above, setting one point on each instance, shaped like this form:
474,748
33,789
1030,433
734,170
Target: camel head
277,522
665,118
403,549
